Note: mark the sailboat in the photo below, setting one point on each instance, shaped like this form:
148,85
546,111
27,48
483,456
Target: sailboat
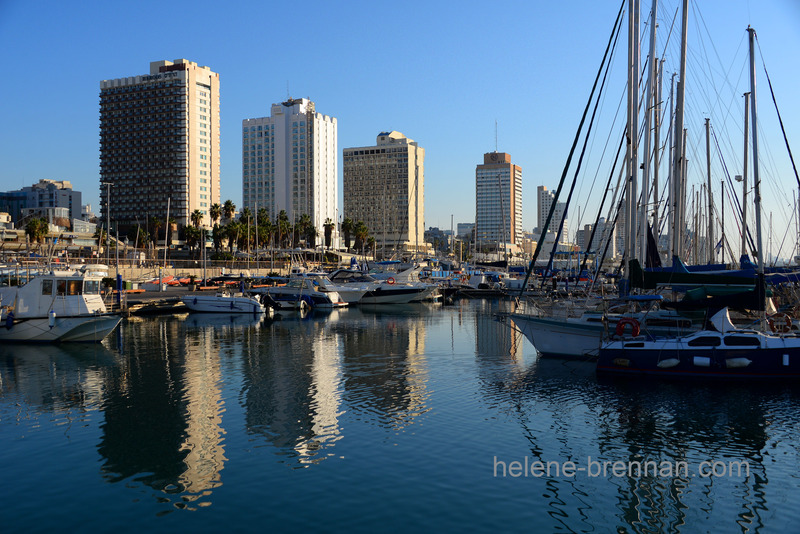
720,349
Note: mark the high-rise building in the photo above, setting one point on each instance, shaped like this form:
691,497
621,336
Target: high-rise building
384,186
544,201
290,162
159,143
498,201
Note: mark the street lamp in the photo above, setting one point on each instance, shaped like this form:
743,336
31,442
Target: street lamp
108,221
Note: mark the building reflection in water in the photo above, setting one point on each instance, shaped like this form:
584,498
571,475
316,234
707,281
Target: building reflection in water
301,376
385,366
292,392
163,411
55,378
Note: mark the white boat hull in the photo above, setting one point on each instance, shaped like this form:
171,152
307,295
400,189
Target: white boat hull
222,304
80,329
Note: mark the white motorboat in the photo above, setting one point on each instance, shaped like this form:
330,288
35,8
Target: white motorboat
302,292
223,302
351,294
387,291
57,306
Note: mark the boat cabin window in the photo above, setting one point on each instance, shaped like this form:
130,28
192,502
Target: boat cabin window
91,287
705,341
74,287
61,287
47,287
749,341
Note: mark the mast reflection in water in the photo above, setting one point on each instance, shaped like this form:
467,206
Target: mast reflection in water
371,418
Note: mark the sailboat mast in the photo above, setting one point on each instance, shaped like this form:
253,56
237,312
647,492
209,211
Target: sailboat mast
652,68
744,172
710,235
632,169
678,163
756,179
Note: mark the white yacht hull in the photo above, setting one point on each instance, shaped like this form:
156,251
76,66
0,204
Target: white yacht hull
81,329
222,304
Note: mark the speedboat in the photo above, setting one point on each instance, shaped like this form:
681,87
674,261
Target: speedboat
57,306
351,294
388,291
223,302
298,293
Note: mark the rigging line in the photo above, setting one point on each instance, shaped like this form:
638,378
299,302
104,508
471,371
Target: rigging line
580,162
571,151
780,120
738,211
602,202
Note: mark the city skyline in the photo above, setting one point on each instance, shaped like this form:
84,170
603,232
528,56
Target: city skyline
436,91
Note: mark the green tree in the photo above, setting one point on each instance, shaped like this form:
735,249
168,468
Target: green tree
311,236
196,218
36,229
328,227
347,229
282,229
156,224
193,236
361,233
228,209
215,212
218,234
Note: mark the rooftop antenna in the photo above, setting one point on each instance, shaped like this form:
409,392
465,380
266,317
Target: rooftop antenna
288,94
495,135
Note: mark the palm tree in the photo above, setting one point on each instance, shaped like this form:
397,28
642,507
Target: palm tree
361,233
228,209
192,235
215,212
232,232
328,226
218,236
311,236
302,227
282,228
265,231
197,218
245,215
156,223
347,228
371,244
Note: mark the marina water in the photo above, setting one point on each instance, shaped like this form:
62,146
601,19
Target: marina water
416,418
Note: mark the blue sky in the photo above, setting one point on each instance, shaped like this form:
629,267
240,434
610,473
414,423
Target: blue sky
440,72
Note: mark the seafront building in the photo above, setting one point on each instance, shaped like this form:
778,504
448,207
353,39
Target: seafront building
290,162
384,186
159,143
498,202
40,200
544,201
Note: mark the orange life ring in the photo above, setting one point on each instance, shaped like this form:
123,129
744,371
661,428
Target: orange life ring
780,323
635,330
390,280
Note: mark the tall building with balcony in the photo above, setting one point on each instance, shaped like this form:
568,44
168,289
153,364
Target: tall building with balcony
290,162
159,143
384,186
498,201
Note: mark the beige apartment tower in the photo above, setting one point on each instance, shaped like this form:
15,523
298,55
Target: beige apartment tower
384,186
498,202
159,144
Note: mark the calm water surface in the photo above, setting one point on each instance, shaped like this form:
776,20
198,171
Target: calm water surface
367,419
